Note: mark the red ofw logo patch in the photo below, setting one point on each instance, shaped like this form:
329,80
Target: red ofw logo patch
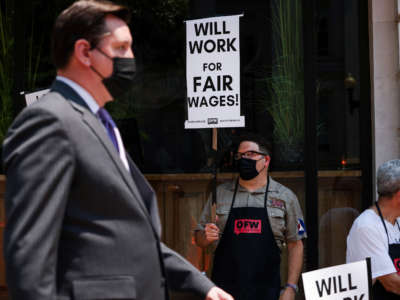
397,265
247,226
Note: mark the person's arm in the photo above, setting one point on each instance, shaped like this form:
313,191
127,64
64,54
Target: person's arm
295,264
183,276
39,165
295,233
391,283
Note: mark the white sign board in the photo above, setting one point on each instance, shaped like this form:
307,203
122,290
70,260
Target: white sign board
213,73
33,97
342,282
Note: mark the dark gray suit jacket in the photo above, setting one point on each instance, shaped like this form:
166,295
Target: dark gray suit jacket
79,225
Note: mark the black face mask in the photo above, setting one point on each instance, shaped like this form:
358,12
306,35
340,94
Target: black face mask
124,70
247,168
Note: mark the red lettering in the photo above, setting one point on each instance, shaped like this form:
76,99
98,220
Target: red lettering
247,226
397,264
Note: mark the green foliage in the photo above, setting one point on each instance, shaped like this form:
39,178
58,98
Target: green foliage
165,12
34,55
34,47
6,72
286,82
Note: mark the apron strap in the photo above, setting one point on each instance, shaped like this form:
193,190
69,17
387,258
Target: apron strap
383,220
234,193
266,192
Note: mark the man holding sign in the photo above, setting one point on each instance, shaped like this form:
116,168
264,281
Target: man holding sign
256,218
376,234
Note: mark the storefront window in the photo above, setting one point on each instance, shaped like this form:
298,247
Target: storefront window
338,94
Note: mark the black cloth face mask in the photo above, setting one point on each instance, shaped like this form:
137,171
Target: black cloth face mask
247,168
124,70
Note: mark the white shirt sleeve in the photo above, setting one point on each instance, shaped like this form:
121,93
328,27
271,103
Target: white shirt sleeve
368,241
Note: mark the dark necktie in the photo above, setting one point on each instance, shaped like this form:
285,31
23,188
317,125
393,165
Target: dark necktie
109,125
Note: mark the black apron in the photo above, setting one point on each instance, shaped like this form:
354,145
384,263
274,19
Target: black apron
378,291
247,259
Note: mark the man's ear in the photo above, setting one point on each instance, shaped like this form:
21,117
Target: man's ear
267,161
82,52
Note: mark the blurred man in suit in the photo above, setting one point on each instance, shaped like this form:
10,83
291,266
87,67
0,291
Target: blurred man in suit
82,221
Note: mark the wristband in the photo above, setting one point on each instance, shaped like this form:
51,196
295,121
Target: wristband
293,286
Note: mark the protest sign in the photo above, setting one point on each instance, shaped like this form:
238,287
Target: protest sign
33,97
213,73
345,282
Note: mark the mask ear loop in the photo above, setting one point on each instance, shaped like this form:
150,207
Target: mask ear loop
93,69
102,52
97,72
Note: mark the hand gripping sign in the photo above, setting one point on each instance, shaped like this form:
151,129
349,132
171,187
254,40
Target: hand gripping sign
213,73
343,282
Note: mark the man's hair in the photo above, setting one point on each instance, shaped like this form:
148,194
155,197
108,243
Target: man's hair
388,178
262,143
84,19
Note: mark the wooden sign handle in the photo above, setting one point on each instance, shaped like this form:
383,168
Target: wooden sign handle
214,147
215,139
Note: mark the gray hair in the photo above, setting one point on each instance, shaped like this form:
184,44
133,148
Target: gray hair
388,178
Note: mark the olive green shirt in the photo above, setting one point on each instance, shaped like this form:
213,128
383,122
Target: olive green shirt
285,215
